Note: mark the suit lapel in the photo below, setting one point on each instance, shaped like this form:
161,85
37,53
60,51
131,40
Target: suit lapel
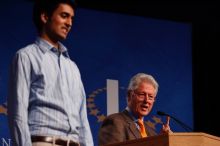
131,124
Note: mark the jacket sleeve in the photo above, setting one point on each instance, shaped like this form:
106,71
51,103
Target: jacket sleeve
112,130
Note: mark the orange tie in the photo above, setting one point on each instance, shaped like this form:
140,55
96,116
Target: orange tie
142,128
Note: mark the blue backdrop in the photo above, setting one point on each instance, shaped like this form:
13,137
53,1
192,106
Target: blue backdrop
115,46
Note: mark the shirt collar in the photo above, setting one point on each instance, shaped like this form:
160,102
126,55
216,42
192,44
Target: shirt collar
132,115
46,46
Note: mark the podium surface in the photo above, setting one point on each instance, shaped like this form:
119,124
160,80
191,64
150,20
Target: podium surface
174,139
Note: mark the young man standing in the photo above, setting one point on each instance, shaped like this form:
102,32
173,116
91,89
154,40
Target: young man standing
47,102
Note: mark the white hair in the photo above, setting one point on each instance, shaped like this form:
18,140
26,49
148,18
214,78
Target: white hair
137,79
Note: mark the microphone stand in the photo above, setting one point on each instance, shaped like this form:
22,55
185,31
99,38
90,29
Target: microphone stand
183,125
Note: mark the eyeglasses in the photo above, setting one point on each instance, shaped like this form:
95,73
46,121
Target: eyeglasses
144,95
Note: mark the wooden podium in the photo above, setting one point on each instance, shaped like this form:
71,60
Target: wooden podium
174,139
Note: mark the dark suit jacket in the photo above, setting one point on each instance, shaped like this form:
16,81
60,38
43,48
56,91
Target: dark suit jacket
119,127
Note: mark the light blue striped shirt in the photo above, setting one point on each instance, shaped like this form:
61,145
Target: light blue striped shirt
46,96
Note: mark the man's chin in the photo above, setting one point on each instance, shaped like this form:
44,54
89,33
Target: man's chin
62,37
144,113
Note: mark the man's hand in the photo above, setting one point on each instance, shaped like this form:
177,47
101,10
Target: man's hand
166,126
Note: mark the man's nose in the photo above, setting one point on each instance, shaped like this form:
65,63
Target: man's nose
148,98
69,22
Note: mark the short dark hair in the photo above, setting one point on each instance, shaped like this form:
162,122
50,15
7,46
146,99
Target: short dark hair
48,7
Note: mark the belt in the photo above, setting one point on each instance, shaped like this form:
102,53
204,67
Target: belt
49,139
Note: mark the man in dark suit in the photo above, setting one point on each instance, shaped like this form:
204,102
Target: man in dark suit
125,125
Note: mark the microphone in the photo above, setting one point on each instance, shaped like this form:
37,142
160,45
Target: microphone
183,125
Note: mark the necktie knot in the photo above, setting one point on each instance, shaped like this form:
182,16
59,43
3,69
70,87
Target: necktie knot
142,128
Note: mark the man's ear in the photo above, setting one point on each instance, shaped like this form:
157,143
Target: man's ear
44,17
129,95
